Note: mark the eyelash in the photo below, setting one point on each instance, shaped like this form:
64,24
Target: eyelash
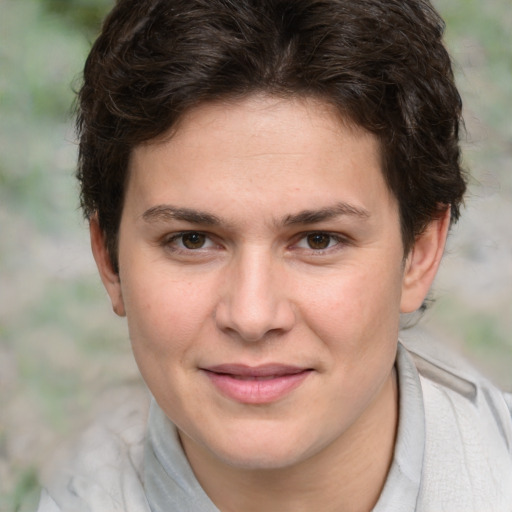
170,241
339,242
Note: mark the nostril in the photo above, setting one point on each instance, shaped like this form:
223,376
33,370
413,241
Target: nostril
255,323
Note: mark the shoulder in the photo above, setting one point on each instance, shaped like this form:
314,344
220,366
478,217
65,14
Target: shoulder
101,469
459,382
468,432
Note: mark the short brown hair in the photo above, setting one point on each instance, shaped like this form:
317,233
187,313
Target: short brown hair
381,63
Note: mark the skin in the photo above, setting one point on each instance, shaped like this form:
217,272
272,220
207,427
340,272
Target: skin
249,182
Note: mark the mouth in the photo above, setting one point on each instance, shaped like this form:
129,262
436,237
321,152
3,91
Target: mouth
256,385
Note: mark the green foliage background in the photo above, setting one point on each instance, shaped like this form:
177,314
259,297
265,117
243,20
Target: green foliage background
60,346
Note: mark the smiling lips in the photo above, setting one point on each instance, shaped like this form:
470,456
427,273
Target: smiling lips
256,385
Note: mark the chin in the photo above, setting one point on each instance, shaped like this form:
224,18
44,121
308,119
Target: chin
262,460
265,451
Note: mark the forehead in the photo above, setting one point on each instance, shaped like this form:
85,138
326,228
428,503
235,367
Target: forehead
246,122
261,151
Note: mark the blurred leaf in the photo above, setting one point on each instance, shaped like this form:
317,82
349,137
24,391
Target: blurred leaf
83,14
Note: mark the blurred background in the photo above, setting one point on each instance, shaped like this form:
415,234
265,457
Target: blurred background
61,346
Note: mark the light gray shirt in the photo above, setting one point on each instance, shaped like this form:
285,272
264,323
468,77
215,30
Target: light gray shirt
453,451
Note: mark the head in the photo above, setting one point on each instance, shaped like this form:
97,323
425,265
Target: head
380,63
269,184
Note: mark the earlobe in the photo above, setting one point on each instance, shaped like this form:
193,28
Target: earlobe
109,276
423,262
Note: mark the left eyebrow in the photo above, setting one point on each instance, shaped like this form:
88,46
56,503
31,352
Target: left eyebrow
328,213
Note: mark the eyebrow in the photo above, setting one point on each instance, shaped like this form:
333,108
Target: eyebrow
328,213
166,213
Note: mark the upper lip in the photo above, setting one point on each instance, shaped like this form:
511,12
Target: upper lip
266,370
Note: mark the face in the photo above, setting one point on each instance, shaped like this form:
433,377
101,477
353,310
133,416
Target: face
262,274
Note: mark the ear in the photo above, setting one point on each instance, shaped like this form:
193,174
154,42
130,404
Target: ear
109,276
422,263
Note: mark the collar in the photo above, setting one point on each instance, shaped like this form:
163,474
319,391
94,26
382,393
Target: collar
401,490
168,478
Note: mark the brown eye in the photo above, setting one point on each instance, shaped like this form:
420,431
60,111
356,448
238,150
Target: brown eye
193,240
318,241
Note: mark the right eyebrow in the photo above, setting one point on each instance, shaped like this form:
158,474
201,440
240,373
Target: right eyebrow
166,213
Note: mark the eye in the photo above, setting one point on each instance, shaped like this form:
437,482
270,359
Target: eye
193,240
189,241
318,241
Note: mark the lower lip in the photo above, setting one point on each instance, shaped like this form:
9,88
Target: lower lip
258,391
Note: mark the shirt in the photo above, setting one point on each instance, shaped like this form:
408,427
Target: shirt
453,450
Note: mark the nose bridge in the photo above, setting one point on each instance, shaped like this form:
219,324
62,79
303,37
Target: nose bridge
254,301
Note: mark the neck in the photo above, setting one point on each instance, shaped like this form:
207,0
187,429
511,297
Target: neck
347,475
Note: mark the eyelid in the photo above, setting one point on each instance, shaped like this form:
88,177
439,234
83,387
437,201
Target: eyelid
340,239
169,239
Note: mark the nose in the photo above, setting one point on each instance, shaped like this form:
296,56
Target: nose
253,303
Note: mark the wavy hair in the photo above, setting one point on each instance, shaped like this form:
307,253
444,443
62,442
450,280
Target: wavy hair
381,63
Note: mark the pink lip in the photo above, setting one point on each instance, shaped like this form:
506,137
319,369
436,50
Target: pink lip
256,385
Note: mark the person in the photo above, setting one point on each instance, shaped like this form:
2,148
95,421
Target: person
269,186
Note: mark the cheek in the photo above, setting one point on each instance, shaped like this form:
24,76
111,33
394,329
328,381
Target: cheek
165,314
356,313
167,319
